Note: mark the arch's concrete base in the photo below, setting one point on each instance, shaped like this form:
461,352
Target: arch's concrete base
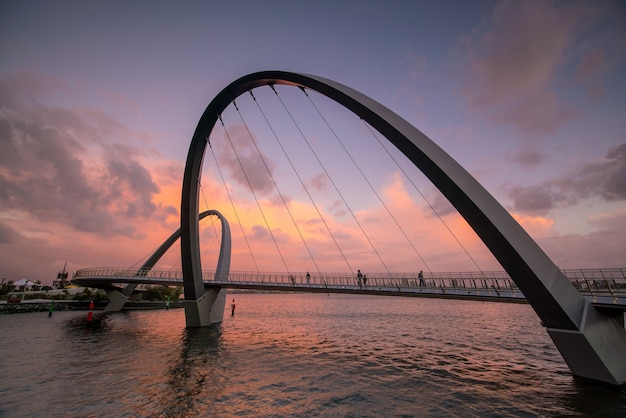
596,351
208,309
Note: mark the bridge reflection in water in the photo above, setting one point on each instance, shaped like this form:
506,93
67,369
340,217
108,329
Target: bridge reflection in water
603,287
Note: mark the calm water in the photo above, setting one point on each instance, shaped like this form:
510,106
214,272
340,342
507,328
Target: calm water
296,355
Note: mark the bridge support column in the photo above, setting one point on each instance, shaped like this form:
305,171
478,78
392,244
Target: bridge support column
208,309
117,300
596,350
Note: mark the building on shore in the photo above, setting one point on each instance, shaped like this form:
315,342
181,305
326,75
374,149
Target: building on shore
61,281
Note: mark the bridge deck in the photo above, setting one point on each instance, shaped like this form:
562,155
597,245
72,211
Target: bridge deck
605,288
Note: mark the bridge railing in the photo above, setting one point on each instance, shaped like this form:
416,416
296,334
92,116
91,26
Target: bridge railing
495,281
589,281
598,281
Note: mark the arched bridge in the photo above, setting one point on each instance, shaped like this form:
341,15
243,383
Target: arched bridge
591,339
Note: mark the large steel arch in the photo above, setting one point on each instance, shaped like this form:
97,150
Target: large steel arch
592,343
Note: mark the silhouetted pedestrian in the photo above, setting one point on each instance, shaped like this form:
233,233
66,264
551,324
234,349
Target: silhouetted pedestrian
420,275
308,278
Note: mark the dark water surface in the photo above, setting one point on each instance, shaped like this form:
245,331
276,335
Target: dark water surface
296,355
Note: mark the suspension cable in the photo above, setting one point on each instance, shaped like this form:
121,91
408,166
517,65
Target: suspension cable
368,126
230,198
303,186
208,219
331,180
367,181
252,189
274,180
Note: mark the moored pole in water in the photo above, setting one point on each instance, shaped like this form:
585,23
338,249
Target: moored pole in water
90,314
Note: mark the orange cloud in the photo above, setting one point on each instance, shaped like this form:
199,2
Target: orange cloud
536,226
429,239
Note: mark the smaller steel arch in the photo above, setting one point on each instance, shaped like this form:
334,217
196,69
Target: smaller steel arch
222,269
223,262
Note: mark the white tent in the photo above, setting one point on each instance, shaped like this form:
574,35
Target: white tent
25,282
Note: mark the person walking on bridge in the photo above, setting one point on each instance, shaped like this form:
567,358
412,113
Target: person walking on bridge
308,278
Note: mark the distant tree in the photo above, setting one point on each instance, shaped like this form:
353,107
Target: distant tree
86,294
162,293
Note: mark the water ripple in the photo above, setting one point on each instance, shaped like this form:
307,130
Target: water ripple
294,355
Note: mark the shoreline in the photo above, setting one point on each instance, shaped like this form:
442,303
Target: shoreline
42,305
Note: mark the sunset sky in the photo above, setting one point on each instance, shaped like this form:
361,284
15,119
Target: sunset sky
99,100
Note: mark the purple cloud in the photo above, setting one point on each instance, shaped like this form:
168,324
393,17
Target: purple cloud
8,234
603,248
47,171
525,47
605,179
255,174
529,156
